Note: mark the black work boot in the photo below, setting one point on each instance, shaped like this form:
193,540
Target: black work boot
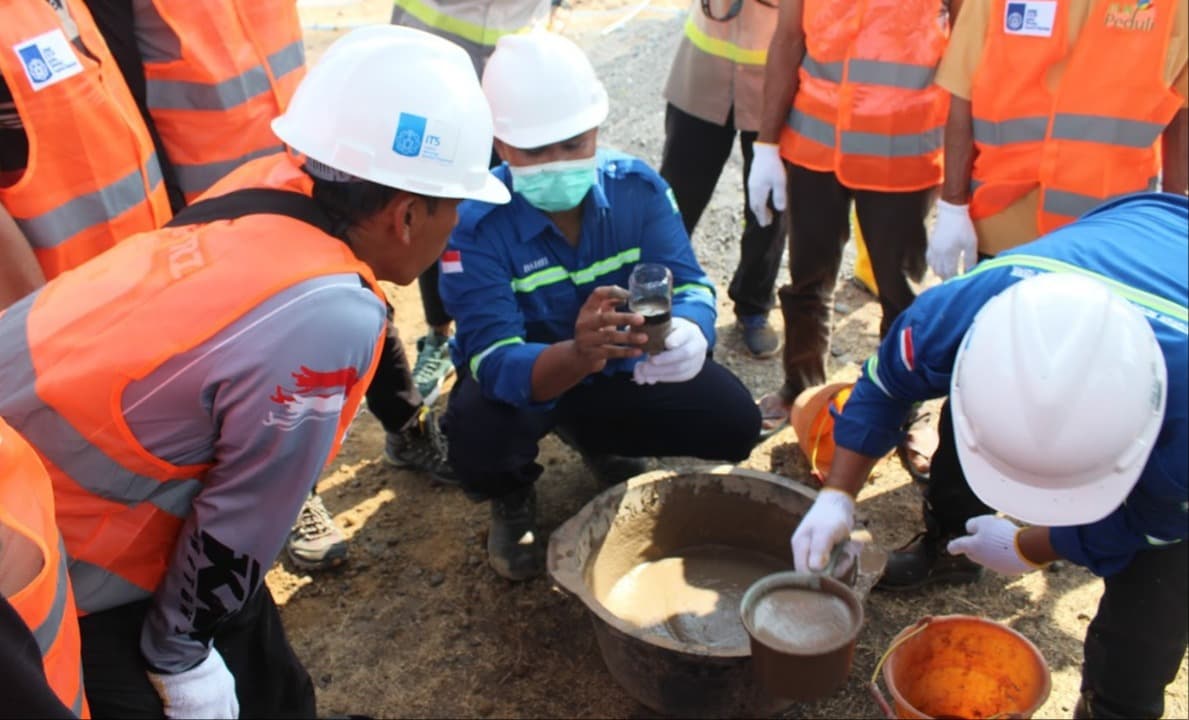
608,469
924,560
513,548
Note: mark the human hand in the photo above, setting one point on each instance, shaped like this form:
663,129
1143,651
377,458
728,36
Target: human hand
828,522
206,690
597,333
684,355
993,543
953,241
767,178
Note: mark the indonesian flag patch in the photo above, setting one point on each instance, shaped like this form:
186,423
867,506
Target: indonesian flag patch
452,261
906,354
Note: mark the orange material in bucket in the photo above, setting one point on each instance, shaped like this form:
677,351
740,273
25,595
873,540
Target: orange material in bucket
960,666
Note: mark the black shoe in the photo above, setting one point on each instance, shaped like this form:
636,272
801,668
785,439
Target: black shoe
422,447
513,549
608,469
924,561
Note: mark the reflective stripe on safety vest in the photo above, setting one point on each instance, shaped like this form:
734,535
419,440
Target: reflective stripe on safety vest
67,351
866,106
44,602
93,177
1092,138
212,108
720,47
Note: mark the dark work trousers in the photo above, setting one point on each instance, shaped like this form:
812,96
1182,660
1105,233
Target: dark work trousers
694,155
269,679
1135,642
893,226
493,445
392,397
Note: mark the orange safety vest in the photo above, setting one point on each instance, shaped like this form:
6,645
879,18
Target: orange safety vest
866,107
87,335
1092,139
46,604
217,72
93,178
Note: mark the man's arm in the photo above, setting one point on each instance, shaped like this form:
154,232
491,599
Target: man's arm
959,152
20,273
1175,151
785,52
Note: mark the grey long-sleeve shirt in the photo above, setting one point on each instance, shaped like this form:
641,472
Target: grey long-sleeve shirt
261,401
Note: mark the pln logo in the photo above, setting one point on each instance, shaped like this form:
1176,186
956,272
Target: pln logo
1140,15
314,396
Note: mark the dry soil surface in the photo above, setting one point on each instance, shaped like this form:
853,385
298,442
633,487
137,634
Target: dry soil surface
417,625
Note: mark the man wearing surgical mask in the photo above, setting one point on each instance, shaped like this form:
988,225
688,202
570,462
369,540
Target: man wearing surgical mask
544,341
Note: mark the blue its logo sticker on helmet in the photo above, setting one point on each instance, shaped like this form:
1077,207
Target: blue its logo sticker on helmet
410,131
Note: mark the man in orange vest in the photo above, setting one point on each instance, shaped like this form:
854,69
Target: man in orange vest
850,114
78,169
1056,108
192,376
40,661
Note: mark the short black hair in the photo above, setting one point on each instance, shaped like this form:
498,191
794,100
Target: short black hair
349,203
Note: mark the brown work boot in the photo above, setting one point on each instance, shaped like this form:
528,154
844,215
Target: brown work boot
924,561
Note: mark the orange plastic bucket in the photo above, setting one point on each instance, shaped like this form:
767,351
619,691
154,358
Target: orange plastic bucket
960,666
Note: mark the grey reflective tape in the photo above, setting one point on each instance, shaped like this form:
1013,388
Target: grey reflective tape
892,146
76,707
1106,130
197,178
1062,202
1030,129
822,71
890,74
47,632
97,589
817,130
54,227
62,444
184,95
287,59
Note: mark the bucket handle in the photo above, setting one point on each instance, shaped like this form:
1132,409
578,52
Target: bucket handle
873,686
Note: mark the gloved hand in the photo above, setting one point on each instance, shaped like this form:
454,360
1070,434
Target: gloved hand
206,690
684,355
827,523
767,177
953,241
992,543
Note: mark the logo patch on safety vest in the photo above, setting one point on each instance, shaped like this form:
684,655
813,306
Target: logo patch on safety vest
1139,16
1033,18
315,396
451,261
48,59
423,137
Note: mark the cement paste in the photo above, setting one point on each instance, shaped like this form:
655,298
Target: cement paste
693,595
802,621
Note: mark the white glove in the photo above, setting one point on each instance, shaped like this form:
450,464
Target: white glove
953,240
992,543
767,177
682,359
206,690
827,523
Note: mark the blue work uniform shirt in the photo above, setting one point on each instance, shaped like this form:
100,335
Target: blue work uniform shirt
1138,246
514,285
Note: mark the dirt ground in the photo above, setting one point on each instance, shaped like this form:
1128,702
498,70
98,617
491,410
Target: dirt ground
417,625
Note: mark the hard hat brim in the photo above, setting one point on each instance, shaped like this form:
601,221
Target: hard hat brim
493,191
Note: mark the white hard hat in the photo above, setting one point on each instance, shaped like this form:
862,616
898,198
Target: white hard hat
542,89
399,107
1057,394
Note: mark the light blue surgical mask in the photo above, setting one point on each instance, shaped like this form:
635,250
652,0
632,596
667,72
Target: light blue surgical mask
555,186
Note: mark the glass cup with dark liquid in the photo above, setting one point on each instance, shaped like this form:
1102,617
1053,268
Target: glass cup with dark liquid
650,293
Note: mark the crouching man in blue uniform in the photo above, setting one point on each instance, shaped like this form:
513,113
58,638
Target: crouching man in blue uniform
543,341
1065,365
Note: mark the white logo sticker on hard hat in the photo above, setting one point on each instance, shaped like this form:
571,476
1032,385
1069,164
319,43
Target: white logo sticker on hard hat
418,136
48,59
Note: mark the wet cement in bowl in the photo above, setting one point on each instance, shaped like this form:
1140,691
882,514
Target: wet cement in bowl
802,621
691,596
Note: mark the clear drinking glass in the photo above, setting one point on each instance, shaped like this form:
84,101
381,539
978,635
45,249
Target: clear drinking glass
650,293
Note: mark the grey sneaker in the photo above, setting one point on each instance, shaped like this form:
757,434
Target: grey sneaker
759,337
422,447
433,365
316,543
